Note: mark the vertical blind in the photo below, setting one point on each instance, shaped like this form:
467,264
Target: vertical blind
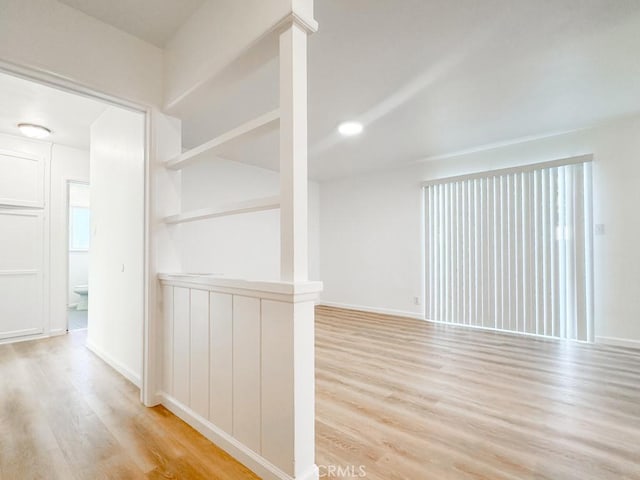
512,250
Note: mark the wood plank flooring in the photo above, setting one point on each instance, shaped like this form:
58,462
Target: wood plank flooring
407,399
396,399
66,415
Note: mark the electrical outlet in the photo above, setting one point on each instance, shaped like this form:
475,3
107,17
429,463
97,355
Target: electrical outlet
416,300
599,229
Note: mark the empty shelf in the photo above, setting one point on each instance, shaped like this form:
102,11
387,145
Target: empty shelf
235,208
257,126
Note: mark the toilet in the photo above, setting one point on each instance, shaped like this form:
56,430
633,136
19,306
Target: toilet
83,292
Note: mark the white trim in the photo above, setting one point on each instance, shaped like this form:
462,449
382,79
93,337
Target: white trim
22,212
488,147
309,25
22,333
289,292
383,311
618,342
26,338
59,82
23,155
115,364
561,162
53,80
256,463
19,273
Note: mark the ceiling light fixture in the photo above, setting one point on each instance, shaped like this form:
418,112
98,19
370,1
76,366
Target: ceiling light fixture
34,131
349,129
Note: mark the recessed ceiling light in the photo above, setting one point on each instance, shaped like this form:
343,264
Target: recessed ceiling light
34,131
349,129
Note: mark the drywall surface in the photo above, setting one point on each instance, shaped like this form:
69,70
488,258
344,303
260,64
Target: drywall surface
226,28
116,257
239,246
51,37
371,227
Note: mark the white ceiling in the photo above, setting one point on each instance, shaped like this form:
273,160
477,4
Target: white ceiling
432,77
152,20
68,116
426,77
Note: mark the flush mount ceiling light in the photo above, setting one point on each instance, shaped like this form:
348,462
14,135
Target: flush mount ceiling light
349,129
34,131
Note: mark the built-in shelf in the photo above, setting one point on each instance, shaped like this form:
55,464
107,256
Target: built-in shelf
235,208
258,126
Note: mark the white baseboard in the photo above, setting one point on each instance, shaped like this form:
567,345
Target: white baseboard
384,311
618,342
123,370
28,338
57,331
259,465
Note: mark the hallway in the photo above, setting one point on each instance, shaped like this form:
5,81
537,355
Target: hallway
65,414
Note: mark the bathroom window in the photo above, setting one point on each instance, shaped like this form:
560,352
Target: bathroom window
79,229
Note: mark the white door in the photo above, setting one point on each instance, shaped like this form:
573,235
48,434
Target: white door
22,237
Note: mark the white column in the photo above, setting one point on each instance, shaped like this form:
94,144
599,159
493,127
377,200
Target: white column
291,326
162,198
293,154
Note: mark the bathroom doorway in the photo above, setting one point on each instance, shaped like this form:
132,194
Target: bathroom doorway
79,234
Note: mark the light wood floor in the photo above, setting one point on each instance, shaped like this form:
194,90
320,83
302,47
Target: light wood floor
403,399
66,415
412,400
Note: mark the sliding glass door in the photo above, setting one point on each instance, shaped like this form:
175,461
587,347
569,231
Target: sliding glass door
512,250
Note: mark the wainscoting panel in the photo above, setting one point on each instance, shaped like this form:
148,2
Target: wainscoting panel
199,363
230,353
277,393
181,345
221,386
167,338
246,359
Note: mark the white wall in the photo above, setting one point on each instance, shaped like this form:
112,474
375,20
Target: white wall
371,231
67,164
49,36
116,257
240,246
225,27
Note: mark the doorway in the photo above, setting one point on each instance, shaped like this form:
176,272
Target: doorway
79,235
48,264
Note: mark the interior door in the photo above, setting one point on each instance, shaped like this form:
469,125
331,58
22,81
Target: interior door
21,276
22,240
